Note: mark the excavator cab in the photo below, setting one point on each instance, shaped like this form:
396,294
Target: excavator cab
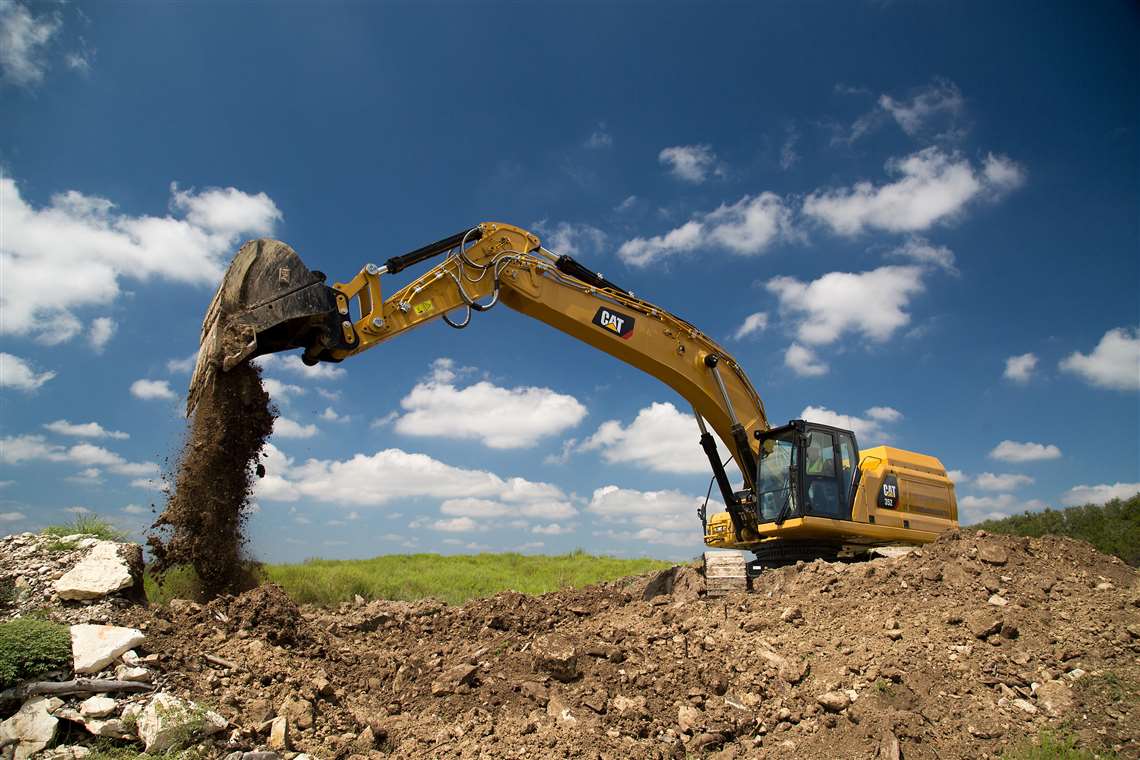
805,468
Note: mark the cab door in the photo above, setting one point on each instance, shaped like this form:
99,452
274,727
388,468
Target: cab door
825,495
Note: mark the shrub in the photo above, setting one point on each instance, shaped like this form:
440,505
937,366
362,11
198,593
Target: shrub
87,525
30,647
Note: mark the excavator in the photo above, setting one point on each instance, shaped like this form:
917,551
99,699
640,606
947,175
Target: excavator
808,490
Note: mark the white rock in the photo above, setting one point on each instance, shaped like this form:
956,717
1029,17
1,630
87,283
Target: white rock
100,573
109,729
166,720
97,707
998,601
94,647
33,726
131,658
142,675
67,752
1025,705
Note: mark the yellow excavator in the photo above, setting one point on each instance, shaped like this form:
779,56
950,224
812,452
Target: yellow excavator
808,490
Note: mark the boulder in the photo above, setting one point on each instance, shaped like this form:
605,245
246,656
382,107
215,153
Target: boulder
94,647
103,571
97,707
167,721
32,727
993,555
555,654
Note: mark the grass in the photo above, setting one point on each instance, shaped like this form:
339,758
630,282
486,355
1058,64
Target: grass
30,647
87,525
1052,746
453,579
1113,528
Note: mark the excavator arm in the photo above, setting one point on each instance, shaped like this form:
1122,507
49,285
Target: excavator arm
269,301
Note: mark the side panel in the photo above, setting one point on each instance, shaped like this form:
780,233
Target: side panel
924,498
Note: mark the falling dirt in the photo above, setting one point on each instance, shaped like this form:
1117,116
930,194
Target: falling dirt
202,523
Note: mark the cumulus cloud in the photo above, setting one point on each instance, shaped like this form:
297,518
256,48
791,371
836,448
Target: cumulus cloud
292,363
1099,494
1020,368
279,391
941,98
660,438
283,427
988,481
183,365
872,304
569,238
1114,363
20,449
24,39
553,529
804,361
102,330
691,163
752,324
745,228
82,245
974,509
331,415
84,430
11,517
18,373
870,427
502,418
919,250
932,186
1014,451
151,389
657,517
959,477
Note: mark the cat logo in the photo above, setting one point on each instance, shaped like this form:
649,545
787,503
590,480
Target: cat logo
619,324
889,493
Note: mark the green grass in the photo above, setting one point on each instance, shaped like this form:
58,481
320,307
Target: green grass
30,647
1113,528
454,579
1052,746
88,525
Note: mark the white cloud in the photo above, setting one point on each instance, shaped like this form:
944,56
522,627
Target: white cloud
940,98
23,42
384,421
502,418
1013,451
183,365
11,517
474,508
788,155
88,476
1114,363
102,329
457,525
82,245
657,517
569,446
280,391
91,455
872,303
867,429
1020,368
553,529
331,415
569,238
627,203
27,448
691,163
151,484
283,427
660,438
751,325
932,187
959,477
919,250
804,361
151,389
746,228
988,481
600,137
32,448
292,363
84,430
974,509
18,373
77,510
135,509
1099,494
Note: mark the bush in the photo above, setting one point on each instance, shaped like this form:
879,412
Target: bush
31,647
87,525
1113,528
1051,746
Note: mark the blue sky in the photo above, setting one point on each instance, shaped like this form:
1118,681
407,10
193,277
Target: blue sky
918,219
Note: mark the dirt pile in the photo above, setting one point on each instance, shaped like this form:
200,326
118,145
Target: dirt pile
961,650
202,523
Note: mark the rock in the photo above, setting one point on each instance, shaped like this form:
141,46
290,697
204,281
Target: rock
889,747
139,675
279,738
1104,586
833,701
365,742
1055,698
994,555
560,711
791,614
298,711
535,691
1025,705
689,718
792,671
998,600
32,727
555,654
701,741
894,634
103,571
451,679
94,647
259,756
623,704
97,707
983,623
167,721
258,711
109,729
64,752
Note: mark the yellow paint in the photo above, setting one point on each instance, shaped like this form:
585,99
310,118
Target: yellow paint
423,308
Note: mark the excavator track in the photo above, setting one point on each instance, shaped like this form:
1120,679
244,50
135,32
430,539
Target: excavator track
726,572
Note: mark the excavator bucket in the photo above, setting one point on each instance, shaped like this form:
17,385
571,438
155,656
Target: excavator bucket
268,301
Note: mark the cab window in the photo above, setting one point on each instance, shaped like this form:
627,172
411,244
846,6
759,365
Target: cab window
820,474
847,465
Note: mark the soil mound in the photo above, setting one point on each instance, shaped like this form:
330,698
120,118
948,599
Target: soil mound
202,523
267,612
